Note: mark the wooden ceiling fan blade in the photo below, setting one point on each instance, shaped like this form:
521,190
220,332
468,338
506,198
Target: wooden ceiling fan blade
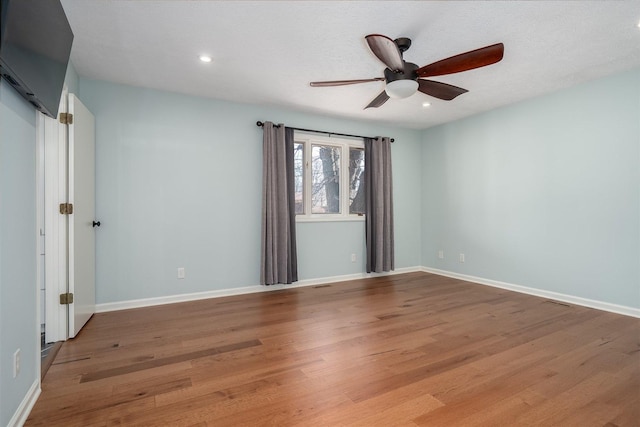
440,90
386,50
465,61
378,100
344,82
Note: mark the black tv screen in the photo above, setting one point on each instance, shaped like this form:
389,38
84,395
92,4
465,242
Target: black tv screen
35,44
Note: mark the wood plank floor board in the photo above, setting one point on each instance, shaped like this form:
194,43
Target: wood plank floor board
409,349
353,413
241,401
572,371
279,410
401,414
153,362
503,412
226,382
224,368
567,404
192,411
359,392
488,394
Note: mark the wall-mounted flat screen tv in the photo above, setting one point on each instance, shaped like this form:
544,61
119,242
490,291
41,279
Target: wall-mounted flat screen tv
35,44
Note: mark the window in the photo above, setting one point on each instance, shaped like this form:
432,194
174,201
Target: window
329,174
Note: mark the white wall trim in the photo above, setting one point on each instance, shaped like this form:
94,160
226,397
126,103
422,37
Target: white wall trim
343,278
55,225
571,299
23,411
171,299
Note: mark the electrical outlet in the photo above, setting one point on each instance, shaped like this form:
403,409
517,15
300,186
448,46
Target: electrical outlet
180,272
16,363
461,257
441,254
353,257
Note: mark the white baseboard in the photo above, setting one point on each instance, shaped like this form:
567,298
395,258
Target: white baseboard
171,299
344,278
600,305
23,411
149,302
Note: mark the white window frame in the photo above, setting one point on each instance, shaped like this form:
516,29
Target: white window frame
344,144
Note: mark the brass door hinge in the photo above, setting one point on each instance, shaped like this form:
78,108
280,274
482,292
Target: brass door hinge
66,299
66,208
66,118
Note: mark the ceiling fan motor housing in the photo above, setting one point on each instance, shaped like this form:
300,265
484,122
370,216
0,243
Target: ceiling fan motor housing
409,73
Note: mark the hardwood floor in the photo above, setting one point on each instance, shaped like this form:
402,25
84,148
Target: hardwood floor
406,350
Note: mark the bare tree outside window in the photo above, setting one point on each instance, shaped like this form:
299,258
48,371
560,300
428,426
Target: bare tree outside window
356,181
325,179
298,176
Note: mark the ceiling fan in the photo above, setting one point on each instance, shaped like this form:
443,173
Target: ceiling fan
404,78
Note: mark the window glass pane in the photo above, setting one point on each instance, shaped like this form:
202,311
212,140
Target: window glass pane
325,179
356,181
298,174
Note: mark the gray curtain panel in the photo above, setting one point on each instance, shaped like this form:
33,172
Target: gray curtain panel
379,205
279,259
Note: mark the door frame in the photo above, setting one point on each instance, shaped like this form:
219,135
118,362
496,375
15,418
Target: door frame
40,228
54,138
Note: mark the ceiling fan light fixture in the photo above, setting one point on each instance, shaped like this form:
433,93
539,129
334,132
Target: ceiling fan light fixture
401,88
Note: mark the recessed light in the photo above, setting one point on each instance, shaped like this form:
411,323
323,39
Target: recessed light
426,104
205,58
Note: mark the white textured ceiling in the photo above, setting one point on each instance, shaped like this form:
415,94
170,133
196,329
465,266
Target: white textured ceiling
267,52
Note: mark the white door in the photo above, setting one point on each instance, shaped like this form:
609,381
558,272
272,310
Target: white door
81,223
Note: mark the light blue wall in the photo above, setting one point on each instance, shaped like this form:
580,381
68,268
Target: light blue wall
178,184
17,248
543,194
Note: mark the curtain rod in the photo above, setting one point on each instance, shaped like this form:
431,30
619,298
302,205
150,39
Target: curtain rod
261,124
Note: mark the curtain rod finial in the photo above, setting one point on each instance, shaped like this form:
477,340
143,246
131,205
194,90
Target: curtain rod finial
259,123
